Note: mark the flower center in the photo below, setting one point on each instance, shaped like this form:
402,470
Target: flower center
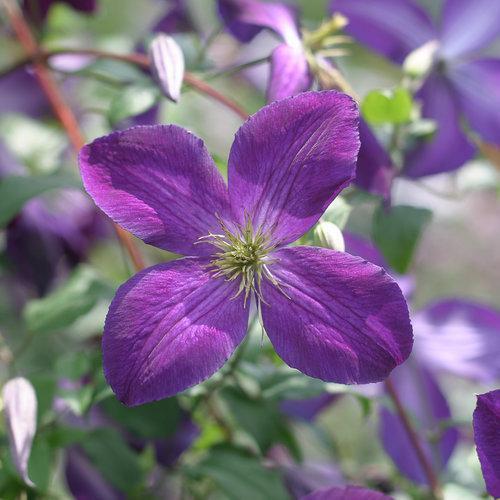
243,253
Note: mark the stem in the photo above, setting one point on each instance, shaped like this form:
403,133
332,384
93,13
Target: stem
140,60
61,109
432,477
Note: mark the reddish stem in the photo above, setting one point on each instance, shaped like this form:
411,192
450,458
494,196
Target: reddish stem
414,440
142,61
61,109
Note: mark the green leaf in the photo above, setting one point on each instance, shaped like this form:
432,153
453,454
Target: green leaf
113,458
16,190
259,418
387,107
153,420
35,144
132,101
338,212
240,476
41,462
396,232
73,299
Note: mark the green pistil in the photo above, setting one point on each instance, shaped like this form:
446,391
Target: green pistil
243,254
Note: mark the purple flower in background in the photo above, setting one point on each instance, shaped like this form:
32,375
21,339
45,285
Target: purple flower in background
293,66
84,481
301,58
459,81
37,10
176,18
486,421
346,493
461,337
426,403
290,72
331,315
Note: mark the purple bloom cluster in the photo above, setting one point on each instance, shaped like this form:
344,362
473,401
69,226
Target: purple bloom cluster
329,314
459,83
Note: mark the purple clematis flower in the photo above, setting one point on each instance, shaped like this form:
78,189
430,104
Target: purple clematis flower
425,401
459,82
486,421
294,63
330,315
346,493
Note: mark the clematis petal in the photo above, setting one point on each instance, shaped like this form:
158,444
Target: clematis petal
159,183
461,337
486,422
246,18
84,480
290,160
449,149
422,397
170,327
346,493
468,26
374,170
20,408
477,84
358,245
335,316
290,73
392,28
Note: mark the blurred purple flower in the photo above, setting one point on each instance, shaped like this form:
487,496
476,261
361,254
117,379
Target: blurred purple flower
290,72
460,82
47,239
37,10
306,477
49,236
486,421
169,450
176,19
20,93
328,314
426,403
346,493
307,409
460,337
84,481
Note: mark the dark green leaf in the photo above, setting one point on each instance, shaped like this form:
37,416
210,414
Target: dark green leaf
396,231
259,418
153,420
113,458
73,299
16,190
240,476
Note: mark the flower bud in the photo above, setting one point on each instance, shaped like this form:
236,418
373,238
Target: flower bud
167,65
20,407
328,235
419,62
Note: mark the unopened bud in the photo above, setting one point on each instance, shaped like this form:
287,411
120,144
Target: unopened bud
167,65
419,62
328,235
20,406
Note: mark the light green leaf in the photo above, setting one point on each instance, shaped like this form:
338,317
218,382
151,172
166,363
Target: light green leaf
387,107
16,190
73,299
396,232
132,101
